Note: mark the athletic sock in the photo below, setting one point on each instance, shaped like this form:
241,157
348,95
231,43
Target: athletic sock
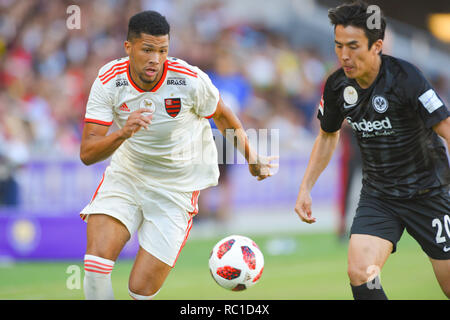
97,278
369,291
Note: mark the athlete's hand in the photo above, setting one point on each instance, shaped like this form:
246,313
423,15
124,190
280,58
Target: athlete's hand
136,121
303,207
261,169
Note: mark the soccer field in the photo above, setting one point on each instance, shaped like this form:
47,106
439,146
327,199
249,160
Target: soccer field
314,268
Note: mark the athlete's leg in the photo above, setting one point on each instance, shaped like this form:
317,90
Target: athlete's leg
147,276
442,271
168,219
366,257
106,237
375,231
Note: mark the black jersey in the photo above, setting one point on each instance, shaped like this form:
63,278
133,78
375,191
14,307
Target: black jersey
392,119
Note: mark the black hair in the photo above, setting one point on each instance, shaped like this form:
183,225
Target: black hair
149,22
355,14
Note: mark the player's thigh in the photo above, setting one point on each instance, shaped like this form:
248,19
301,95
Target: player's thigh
367,254
375,231
442,271
148,274
168,219
106,236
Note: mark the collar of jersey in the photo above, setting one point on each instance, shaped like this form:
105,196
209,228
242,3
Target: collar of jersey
156,86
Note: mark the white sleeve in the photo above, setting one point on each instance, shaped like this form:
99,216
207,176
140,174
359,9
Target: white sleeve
207,95
99,108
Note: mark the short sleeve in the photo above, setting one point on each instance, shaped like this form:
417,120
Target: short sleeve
99,108
424,99
328,111
207,96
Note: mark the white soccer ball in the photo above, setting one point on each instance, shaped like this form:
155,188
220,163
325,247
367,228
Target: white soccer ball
236,263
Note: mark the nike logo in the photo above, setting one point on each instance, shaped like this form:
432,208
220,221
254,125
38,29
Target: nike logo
347,106
446,249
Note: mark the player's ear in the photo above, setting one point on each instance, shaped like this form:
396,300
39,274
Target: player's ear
377,46
127,46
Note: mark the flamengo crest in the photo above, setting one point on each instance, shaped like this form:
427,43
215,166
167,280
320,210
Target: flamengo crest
173,106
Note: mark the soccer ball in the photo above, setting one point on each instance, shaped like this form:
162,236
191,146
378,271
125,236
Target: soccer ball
236,263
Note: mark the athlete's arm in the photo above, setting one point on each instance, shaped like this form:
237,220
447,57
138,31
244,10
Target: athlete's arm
225,119
96,145
443,129
321,154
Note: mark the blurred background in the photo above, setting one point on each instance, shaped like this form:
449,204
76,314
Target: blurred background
268,60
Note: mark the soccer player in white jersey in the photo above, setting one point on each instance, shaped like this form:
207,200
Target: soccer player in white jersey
163,154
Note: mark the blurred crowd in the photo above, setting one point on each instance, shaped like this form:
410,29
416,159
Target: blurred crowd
47,69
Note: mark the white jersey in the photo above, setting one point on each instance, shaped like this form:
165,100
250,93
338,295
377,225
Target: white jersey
177,151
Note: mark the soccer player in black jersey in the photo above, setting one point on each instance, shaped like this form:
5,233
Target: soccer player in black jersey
402,127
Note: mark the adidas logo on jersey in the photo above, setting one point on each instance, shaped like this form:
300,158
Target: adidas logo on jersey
124,107
369,126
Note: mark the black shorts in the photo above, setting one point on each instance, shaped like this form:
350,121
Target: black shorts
426,219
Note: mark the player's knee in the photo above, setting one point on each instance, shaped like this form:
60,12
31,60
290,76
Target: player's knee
357,274
97,248
139,290
141,294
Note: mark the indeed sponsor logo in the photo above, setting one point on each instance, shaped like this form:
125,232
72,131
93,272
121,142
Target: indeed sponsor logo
369,126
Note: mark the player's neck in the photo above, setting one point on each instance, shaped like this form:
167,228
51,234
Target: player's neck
366,80
146,86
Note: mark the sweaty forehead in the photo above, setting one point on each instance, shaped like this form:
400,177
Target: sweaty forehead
349,33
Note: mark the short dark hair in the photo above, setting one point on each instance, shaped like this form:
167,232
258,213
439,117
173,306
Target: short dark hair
355,14
149,22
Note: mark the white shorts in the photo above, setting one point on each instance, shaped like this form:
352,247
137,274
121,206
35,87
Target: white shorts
162,218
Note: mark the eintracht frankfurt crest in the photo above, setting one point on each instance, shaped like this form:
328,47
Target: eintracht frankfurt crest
380,104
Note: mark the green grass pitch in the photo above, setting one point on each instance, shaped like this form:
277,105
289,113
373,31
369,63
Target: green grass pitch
315,270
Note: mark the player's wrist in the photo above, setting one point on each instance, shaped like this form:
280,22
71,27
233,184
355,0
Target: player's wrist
252,158
305,188
122,134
